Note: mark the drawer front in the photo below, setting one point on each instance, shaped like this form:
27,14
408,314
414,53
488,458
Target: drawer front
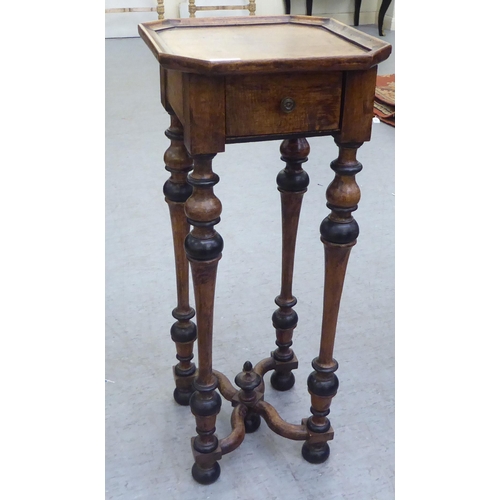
282,104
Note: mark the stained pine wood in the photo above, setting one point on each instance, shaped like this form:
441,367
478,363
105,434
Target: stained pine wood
203,113
317,98
338,231
261,44
231,442
177,190
174,91
164,90
357,108
257,42
203,248
278,425
292,184
241,79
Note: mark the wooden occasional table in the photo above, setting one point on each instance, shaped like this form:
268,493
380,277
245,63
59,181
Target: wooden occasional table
230,80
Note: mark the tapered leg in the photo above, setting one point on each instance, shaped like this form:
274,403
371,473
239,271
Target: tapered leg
203,247
292,183
381,15
357,8
309,7
338,233
177,191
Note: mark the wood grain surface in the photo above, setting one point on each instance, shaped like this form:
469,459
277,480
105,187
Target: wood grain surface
316,95
261,44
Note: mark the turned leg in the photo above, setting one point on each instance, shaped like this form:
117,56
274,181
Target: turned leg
338,233
192,8
160,9
381,15
203,247
292,183
357,8
177,191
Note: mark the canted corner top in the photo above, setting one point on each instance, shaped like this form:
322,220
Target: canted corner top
261,44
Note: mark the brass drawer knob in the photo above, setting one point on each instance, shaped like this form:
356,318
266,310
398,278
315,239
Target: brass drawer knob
287,105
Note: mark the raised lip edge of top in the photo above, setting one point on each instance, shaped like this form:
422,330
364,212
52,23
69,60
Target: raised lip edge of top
377,50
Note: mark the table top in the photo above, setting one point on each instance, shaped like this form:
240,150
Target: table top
266,44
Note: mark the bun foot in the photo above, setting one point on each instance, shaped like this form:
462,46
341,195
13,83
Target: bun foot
182,397
252,422
206,476
316,453
282,381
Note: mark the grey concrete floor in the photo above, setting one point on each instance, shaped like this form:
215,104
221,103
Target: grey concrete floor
148,435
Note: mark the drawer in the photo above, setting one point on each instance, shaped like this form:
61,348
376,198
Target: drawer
281,104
